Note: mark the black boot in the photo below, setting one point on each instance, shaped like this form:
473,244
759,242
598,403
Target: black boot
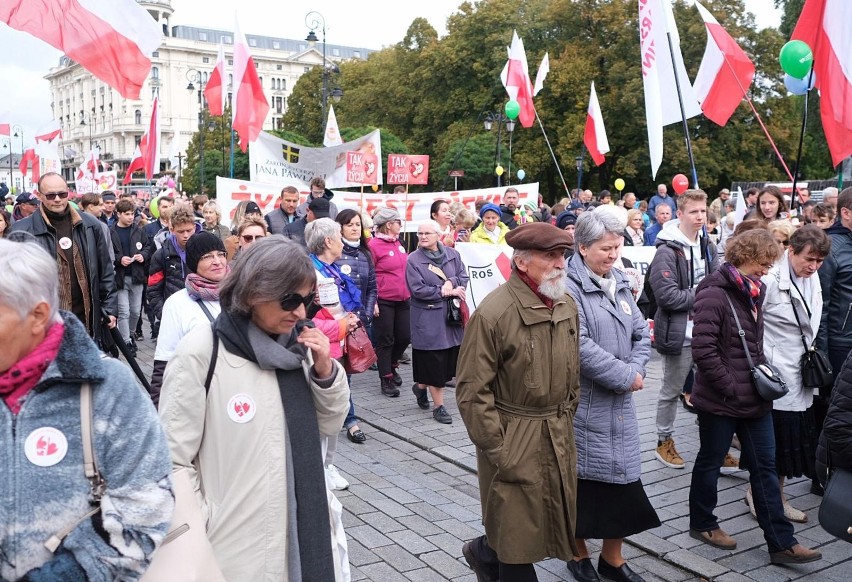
397,379
388,389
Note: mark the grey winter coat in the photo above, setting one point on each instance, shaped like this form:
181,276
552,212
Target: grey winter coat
614,347
429,329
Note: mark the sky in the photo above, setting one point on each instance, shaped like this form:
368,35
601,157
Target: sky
25,95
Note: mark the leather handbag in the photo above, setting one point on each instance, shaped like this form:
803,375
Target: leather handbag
765,378
835,510
454,312
817,372
358,352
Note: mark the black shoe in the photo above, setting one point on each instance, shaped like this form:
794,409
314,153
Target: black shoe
397,379
621,574
388,389
583,571
356,436
441,415
137,335
480,569
422,396
816,488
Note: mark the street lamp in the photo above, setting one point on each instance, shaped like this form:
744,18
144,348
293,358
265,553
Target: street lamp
579,162
314,20
83,123
500,119
195,76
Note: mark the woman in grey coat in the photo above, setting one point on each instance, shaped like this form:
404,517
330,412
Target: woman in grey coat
614,348
434,274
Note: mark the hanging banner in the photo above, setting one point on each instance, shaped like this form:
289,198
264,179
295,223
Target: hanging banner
414,208
405,169
361,168
273,160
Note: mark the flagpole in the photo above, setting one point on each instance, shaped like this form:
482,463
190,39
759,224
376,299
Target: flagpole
682,113
553,155
231,172
801,139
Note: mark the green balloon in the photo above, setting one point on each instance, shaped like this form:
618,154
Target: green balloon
796,58
512,109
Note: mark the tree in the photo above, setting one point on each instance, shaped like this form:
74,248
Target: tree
216,133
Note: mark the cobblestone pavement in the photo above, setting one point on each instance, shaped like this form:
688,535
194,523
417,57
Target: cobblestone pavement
414,500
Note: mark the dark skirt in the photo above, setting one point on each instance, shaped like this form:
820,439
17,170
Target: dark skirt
608,511
434,367
795,443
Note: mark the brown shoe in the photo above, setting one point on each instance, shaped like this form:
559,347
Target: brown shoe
668,455
715,537
798,554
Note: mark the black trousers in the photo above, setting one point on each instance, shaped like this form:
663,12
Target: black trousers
391,333
503,572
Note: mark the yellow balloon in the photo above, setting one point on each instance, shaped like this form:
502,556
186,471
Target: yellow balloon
619,184
498,170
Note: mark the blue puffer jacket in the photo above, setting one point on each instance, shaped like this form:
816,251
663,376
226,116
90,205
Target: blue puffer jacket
355,263
614,347
38,501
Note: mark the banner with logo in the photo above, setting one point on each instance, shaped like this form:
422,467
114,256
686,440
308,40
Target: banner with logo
405,169
414,208
105,181
273,160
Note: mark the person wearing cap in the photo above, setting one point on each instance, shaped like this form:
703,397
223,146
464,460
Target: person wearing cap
317,208
491,230
518,383
25,204
108,214
391,324
566,221
130,246
318,190
717,207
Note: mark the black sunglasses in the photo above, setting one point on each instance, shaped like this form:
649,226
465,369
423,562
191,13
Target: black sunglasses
53,195
291,301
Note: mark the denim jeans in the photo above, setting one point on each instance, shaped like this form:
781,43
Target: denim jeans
351,419
129,306
757,437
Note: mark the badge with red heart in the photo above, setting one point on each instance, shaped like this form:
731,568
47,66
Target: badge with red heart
45,446
241,408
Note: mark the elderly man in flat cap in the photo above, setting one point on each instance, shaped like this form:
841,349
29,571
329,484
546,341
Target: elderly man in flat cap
518,381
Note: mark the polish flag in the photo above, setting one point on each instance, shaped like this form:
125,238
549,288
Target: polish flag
595,134
249,105
214,92
49,132
516,80
147,154
824,26
30,158
725,73
136,164
112,39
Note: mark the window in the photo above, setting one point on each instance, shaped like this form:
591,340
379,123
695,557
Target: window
205,60
279,104
204,76
155,54
279,67
155,73
356,54
276,44
283,84
252,42
230,79
202,36
307,69
335,52
137,139
230,62
227,40
138,118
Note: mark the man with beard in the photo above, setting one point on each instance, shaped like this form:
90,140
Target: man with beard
519,368
509,206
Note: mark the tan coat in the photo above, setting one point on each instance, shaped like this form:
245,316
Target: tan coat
518,384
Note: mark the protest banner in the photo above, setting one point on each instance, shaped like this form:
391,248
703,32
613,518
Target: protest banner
405,169
105,181
361,168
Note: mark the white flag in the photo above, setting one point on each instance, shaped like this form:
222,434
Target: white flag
741,208
543,70
656,22
332,132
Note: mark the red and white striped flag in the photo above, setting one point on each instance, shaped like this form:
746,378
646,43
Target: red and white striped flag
30,159
516,80
112,39
249,105
595,134
215,91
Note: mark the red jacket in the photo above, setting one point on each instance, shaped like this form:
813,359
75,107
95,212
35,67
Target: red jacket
390,259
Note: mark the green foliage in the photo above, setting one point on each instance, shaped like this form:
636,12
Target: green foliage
216,137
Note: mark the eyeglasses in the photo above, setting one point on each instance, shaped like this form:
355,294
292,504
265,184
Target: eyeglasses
291,301
53,195
218,255
427,234
251,238
786,243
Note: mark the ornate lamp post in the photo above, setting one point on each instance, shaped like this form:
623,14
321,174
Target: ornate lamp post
314,20
500,119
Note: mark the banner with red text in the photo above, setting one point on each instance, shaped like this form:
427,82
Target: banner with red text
405,169
105,181
414,208
361,168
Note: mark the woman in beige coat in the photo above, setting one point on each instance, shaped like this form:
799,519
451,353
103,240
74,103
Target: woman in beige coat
245,413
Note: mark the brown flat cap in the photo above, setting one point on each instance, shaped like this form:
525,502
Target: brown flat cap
538,236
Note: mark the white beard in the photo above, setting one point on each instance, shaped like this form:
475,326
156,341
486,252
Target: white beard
553,286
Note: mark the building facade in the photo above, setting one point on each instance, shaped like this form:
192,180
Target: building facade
93,114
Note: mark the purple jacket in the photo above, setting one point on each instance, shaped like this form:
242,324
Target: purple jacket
722,381
429,330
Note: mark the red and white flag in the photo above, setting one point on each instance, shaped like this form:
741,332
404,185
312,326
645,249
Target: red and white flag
136,163
595,134
49,132
147,154
112,39
824,26
47,142
30,159
215,91
725,73
516,80
249,105
543,70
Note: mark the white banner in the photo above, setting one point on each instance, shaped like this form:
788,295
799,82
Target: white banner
105,181
275,161
414,208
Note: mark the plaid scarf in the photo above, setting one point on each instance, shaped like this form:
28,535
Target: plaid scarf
201,289
748,284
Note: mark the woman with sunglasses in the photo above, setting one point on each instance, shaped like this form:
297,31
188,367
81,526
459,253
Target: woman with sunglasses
246,411
249,230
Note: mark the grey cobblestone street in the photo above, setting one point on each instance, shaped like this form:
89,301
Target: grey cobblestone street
414,500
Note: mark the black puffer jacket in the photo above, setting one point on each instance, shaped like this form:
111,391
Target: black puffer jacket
835,277
837,431
138,244
166,276
723,381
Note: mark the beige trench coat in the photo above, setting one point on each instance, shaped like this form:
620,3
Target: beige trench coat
518,383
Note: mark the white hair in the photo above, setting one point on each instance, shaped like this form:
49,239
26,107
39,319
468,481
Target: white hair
317,231
431,224
593,226
29,278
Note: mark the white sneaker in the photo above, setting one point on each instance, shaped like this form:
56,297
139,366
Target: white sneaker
333,480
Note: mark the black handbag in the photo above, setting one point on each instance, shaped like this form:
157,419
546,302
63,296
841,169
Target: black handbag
454,312
815,365
765,378
835,510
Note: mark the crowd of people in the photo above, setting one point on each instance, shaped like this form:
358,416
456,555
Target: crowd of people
250,384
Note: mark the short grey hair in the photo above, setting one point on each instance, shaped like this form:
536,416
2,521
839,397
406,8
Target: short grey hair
269,269
317,231
523,255
430,224
829,192
29,278
593,226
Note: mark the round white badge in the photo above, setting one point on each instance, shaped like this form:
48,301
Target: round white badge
65,243
346,269
139,246
401,249
390,253
625,307
45,446
241,408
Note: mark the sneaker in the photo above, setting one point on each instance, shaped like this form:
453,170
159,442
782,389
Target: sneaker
441,415
422,396
388,389
333,480
735,443
397,379
798,554
716,538
731,464
668,455
793,514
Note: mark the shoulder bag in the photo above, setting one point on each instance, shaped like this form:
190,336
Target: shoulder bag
457,312
815,365
835,510
358,352
765,378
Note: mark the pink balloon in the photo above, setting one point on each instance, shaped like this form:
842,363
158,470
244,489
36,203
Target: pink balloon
171,183
680,183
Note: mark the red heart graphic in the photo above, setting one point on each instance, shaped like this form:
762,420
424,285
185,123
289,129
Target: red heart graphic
238,408
44,447
246,407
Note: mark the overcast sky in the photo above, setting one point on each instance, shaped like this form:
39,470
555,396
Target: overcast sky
25,95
